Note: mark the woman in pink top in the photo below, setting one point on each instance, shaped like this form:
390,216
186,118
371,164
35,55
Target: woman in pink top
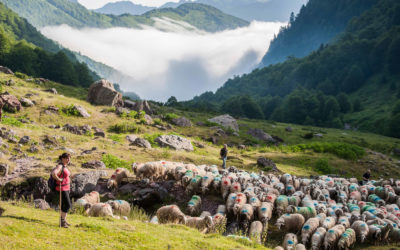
62,175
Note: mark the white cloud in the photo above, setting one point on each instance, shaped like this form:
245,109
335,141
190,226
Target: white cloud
95,4
181,63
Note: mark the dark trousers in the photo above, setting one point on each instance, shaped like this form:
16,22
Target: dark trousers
65,201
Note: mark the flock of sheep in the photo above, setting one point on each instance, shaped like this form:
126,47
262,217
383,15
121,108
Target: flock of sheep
333,213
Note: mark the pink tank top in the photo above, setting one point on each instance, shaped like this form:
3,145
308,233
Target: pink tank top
65,184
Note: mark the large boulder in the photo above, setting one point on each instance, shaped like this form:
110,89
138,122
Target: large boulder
26,102
96,164
85,182
142,143
102,92
11,103
6,70
261,135
268,163
174,142
226,121
182,122
143,106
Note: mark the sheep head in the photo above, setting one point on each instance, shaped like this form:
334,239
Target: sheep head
280,223
111,183
208,221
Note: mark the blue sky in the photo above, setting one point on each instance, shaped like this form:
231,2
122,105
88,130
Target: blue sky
94,4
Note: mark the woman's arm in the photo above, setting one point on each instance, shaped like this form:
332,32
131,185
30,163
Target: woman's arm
56,171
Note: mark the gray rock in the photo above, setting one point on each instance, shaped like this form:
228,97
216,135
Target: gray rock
131,138
85,182
94,164
3,169
140,142
143,106
264,162
24,140
52,109
11,103
198,144
148,119
261,135
174,142
81,110
226,121
26,102
6,70
33,149
289,129
129,104
49,140
99,132
127,189
102,92
52,91
319,135
121,110
41,204
182,122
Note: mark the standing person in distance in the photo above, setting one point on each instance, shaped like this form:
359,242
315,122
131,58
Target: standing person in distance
62,175
365,177
224,154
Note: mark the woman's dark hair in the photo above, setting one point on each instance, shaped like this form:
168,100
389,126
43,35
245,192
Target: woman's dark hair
64,156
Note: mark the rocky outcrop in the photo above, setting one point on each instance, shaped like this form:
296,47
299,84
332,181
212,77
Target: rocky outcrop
142,143
99,132
174,142
52,91
11,103
143,106
182,122
26,102
6,70
102,92
3,169
264,162
24,140
78,130
81,111
94,164
41,204
131,138
226,121
85,182
261,135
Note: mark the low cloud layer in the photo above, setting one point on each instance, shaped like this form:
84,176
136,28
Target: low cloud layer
181,63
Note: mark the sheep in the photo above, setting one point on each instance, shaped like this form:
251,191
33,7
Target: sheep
170,214
230,202
385,231
308,229
246,215
361,229
294,200
256,230
290,222
376,199
281,204
318,238
279,248
99,210
393,218
289,190
225,186
344,220
264,212
395,235
321,217
347,240
91,198
235,187
355,195
193,185
187,177
307,212
332,236
194,205
300,247
239,202
255,202
374,232
216,184
290,241
120,207
116,178
206,182
204,225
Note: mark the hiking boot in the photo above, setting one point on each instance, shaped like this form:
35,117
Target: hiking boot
64,224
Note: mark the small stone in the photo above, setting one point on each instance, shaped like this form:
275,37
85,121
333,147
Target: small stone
3,169
94,164
81,110
99,132
52,91
26,102
24,140
140,142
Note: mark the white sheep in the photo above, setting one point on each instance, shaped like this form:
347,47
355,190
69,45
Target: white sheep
256,230
194,205
116,178
332,236
120,207
99,210
318,238
170,214
361,229
290,241
91,198
308,229
290,222
204,225
347,240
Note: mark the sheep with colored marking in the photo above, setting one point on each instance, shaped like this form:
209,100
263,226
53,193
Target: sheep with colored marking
91,198
290,241
332,236
317,238
204,225
99,210
194,205
307,212
361,229
256,230
281,204
120,207
116,178
308,229
347,240
264,212
290,222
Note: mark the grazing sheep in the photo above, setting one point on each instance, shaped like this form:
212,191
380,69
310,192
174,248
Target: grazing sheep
98,210
321,217
361,229
308,229
221,209
230,202
294,200
318,238
194,205
290,222
225,186
216,184
235,187
300,247
281,204
204,225
279,248
347,240
204,214
256,230
116,178
194,185
120,207
91,198
265,212
290,241
344,220
255,202
329,222
246,215
374,232
206,182
307,212
239,202
170,214
332,236
187,177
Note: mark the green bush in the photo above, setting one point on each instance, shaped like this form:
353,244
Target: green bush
170,116
109,110
151,138
322,166
70,110
11,121
125,127
342,150
21,75
117,138
113,162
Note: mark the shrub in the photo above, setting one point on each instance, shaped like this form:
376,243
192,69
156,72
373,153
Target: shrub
342,150
21,75
117,138
322,166
170,116
109,110
113,162
151,138
124,128
11,121
70,110
138,213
